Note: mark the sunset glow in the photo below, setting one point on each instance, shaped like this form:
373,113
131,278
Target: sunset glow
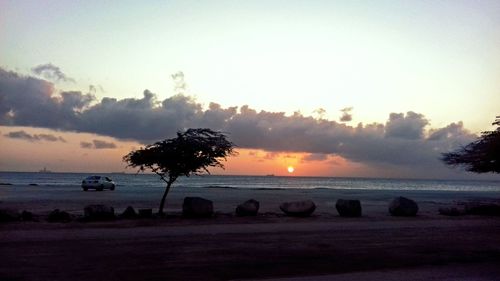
337,88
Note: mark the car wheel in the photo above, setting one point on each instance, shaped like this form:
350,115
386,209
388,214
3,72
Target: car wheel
85,189
112,187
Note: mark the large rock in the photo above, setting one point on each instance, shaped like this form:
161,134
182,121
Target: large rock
404,207
248,208
451,211
129,213
298,208
482,209
145,213
348,208
197,207
8,215
59,216
98,212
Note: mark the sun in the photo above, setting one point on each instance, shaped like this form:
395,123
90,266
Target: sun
290,169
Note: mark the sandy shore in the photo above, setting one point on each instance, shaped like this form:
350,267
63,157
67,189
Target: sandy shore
226,248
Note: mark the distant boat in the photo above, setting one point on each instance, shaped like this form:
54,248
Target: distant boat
44,170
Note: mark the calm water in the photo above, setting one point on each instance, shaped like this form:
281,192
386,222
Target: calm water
126,181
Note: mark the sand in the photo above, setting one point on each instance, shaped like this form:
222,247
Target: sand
375,246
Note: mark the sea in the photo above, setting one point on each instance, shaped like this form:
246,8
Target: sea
38,191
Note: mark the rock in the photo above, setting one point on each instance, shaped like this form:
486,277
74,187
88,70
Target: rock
8,215
197,207
98,212
404,207
33,184
348,208
27,216
482,209
248,208
298,208
145,213
451,211
59,216
129,213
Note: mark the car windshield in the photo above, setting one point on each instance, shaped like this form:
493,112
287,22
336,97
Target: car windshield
108,179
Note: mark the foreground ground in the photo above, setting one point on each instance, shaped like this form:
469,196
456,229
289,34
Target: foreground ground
228,248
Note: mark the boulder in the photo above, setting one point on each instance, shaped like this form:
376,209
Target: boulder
451,211
482,209
298,208
348,208
404,207
27,216
129,213
98,212
145,213
248,208
8,215
59,216
197,207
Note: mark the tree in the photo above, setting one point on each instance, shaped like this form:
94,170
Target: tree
480,156
191,152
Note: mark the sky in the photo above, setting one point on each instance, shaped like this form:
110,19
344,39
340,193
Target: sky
332,88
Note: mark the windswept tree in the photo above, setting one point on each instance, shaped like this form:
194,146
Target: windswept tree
480,156
191,152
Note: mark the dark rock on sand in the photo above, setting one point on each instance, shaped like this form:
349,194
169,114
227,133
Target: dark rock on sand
145,213
197,207
298,208
348,208
33,184
451,211
8,215
98,212
404,207
59,216
482,209
129,213
248,208
27,216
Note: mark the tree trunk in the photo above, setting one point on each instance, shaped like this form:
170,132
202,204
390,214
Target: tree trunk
162,203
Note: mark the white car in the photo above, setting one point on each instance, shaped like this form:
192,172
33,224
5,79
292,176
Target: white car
98,183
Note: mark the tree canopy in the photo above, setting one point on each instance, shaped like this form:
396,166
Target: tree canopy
480,156
191,152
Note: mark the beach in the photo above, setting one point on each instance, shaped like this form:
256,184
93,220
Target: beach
226,247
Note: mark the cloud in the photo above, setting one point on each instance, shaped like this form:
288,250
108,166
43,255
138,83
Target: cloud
100,144
97,144
33,138
51,72
315,157
404,140
409,127
87,145
346,114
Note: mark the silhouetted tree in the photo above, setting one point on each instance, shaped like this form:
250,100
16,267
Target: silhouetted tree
480,156
191,152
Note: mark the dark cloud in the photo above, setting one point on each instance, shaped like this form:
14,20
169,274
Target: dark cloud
35,137
315,157
51,72
346,114
403,140
100,144
409,127
84,144
97,144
